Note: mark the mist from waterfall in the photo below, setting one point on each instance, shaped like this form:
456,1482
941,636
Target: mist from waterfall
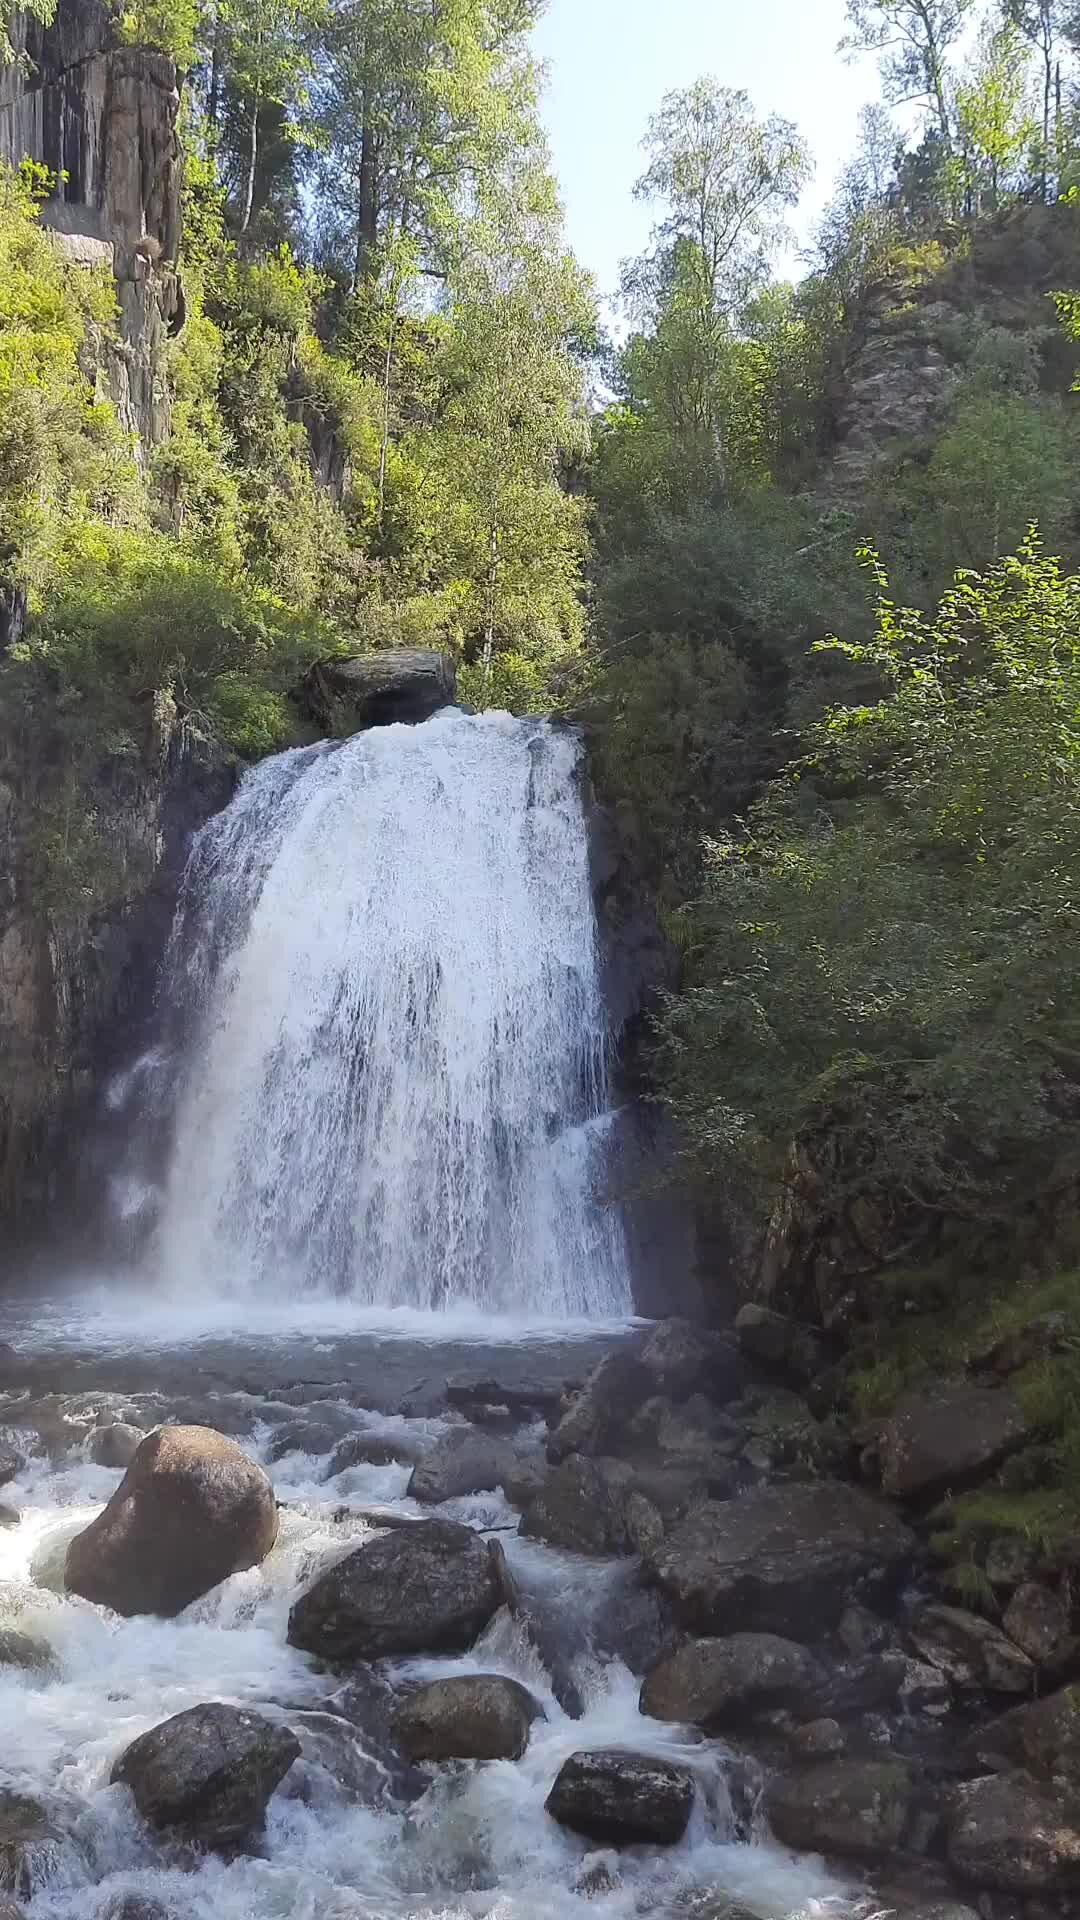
394,1071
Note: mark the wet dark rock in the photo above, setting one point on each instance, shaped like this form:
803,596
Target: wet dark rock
615,1387
374,1450
408,684
1011,1833
861,1632
854,1687
858,1807
948,1439
429,1589
315,1436
581,1504
718,1682
191,1510
9,1516
368,1703
116,1444
938,1910
469,1395
334,1767
774,1340
636,1625
524,1480
467,1717
208,1773
29,1844
25,1650
974,1653
464,1460
623,1798
679,1357
134,1906
13,1453
1038,1619
819,1740
1042,1737
786,1557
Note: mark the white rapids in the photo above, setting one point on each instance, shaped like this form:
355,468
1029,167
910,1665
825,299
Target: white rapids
395,1044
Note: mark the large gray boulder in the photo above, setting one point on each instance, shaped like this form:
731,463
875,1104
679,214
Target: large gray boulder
1015,1835
464,1460
349,691
616,1386
208,1773
786,1557
469,1716
945,1440
191,1510
715,1683
582,1504
857,1807
974,1653
622,1798
1042,1737
428,1589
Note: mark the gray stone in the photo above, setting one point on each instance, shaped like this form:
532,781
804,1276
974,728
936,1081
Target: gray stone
30,1847
622,1798
716,1683
972,1651
1009,1833
467,1717
350,691
374,1450
582,1504
679,1357
464,1460
115,1445
819,1740
613,1391
857,1807
428,1589
334,1768
191,1510
13,1453
946,1440
1037,1618
786,1557
134,1906
774,1340
26,1651
208,1773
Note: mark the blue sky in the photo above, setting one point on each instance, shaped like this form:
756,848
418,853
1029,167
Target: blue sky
609,62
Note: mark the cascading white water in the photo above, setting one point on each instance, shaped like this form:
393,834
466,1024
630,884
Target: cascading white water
399,1050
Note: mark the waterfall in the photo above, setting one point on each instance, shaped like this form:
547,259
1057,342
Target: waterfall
394,1071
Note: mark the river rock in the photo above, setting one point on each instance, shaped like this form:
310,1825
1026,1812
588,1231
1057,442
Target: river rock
133,1906
465,1460
472,1716
858,1807
26,1651
429,1589
582,1504
191,1510
972,1651
679,1356
821,1739
715,1683
30,1847
115,1445
622,1798
1037,1618
334,1768
365,1449
1010,1833
947,1439
1043,1737
208,1773
615,1387
774,1340
13,1452
785,1557
348,691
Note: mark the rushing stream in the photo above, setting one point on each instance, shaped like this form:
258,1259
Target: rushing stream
382,1074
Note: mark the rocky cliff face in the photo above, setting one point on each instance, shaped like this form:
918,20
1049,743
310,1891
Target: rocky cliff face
102,117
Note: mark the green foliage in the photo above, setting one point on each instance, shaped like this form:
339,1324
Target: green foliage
170,25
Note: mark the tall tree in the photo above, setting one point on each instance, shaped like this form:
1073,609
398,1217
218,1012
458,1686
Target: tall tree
1041,23
268,50
995,126
913,39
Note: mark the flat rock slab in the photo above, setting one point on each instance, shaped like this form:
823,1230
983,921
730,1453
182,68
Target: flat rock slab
785,1557
623,1798
430,1588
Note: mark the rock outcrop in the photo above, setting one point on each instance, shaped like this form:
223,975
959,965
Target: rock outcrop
357,690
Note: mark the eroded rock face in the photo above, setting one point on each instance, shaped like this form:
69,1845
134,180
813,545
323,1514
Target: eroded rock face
376,689
715,1683
208,1773
786,1557
940,1441
191,1510
623,1798
429,1589
467,1717
857,1807
1015,1835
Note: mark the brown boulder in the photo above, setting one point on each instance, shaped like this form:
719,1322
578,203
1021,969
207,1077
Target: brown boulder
191,1510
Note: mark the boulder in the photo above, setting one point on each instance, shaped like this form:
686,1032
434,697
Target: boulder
428,1589
30,1847
678,1357
208,1773
858,1807
785,1557
191,1510
971,1651
582,1504
938,1910
13,1453
819,1740
351,691
134,1906
465,1460
613,1390
314,1436
374,1450
334,1768
716,1683
26,1651
115,1445
948,1439
1043,1737
774,1340
1037,1618
622,1798
472,1716
1012,1834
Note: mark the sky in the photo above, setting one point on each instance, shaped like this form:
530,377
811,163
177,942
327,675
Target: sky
610,61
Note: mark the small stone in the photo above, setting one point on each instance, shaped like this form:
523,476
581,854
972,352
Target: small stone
462,1461
26,1651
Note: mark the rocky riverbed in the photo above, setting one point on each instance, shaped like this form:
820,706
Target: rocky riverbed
358,1621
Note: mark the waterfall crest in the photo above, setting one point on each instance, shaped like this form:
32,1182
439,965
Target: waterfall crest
395,1073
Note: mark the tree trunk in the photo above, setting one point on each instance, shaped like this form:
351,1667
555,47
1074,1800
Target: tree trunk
367,215
1048,82
253,157
213,98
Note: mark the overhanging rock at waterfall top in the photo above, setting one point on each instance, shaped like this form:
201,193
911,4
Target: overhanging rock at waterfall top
376,689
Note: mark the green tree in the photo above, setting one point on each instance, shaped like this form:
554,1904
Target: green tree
995,125
913,39
1042,24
